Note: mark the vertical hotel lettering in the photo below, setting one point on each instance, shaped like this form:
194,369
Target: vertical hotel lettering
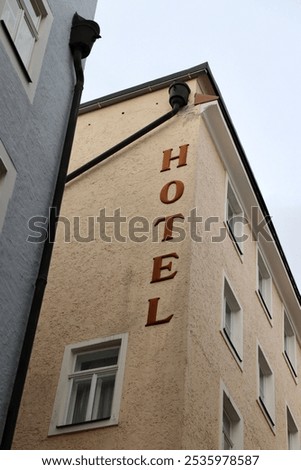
163,269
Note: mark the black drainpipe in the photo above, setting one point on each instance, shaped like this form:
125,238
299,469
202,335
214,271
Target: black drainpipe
179,93
82,37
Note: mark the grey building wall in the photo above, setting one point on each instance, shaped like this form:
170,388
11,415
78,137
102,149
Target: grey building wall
32,132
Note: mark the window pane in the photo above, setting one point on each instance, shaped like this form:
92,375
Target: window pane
226,424
286,343
11,15
260,282
290,441
261,384
289,341
227,432
231,219
103,397
24,41
230,211
228,319
79,400
227,443
97,359
33,13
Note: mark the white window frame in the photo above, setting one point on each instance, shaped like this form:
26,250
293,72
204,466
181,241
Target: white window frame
289,346
13,22
266,388
264,284
231,424
22,19
8,176
293,442
60,421
232,322
234,218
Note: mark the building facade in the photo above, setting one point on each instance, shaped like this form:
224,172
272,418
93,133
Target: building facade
171,318
36,83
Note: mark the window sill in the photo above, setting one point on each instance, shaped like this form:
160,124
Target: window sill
71,428
266,414
232,348
264,306
291,368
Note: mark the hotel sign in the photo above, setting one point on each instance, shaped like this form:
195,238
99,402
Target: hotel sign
163,269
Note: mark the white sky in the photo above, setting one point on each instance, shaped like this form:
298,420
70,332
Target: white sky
253,48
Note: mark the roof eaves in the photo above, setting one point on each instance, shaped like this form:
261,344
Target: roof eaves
142,89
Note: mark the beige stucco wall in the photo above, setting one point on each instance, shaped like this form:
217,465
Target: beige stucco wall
211,363
174,372
103,288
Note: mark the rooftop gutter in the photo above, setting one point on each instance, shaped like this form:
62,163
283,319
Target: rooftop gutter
139,90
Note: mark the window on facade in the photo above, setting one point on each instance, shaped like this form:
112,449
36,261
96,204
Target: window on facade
232,432
292,432
264,281
92,385
26,26
227,425
22,19
232,321
3,172
91,390
266,387
234,218
7,182
290,344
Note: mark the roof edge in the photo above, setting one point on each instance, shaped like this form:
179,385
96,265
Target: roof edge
147,87
254,184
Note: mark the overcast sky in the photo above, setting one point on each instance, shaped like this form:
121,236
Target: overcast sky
253,48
